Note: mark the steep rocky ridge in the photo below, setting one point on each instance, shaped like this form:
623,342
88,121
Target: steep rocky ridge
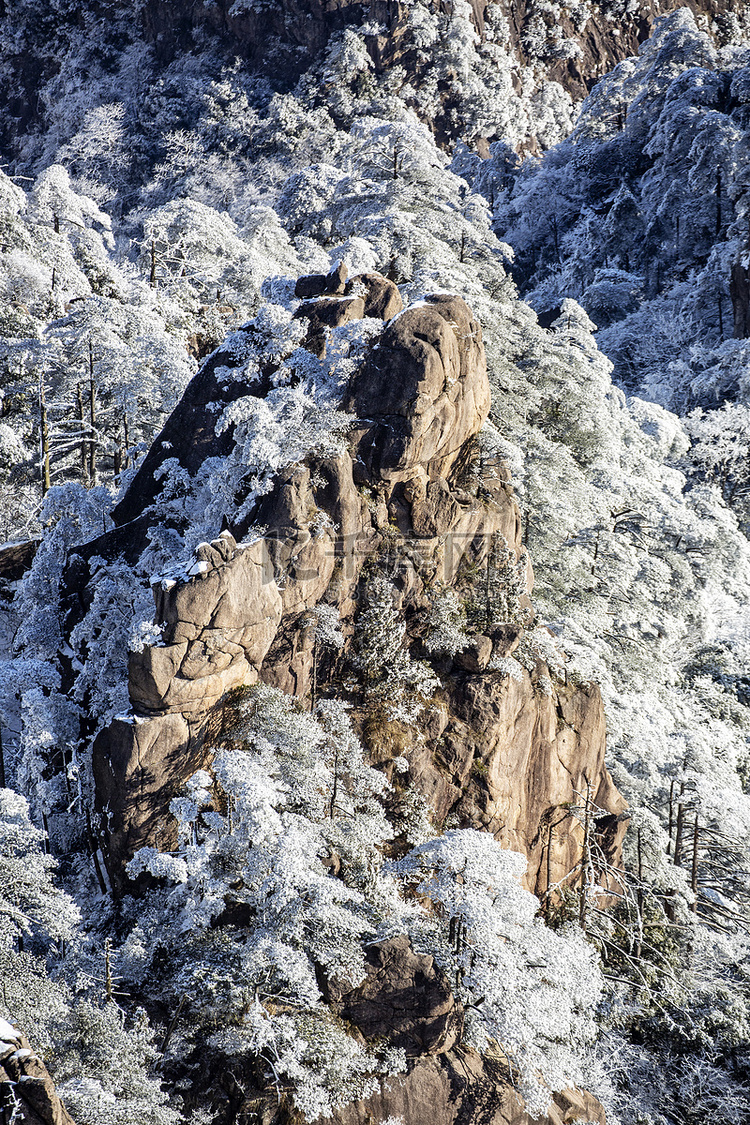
608,35
501,752
412,497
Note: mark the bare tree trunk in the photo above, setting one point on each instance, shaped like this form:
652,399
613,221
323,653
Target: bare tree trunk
549,868
92,418
107,971
739,292
82,444
335,790
44,438
314,684
639,899
173,1023
93,849
678,830
585,860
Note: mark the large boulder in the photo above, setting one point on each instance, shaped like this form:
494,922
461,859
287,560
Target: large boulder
422,392
381,296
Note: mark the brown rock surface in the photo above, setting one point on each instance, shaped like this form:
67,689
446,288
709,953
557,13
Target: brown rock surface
331,312
405,999
27,1093
318,284
511,760
218,625
332,303
381,296
16,559
139,765
461,1088
423,389
437,513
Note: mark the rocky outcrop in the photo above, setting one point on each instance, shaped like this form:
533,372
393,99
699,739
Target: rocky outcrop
424,393
215,631
405,999
504,747
460,1088
506,753
506,757
407,1002
27,1093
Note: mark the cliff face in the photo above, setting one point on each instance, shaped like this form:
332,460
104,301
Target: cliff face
505,745
509,753
302,28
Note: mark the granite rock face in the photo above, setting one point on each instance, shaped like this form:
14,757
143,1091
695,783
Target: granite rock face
462,1088
425,391
500,752
405,999
27,1093
506,753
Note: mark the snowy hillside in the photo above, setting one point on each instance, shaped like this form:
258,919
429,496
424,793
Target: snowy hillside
378,412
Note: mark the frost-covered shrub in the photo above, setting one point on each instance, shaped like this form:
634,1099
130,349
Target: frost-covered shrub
446,622
298,796
101,1066
389,673
531,991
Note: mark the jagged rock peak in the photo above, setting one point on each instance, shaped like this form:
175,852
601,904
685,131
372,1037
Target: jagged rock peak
406,488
